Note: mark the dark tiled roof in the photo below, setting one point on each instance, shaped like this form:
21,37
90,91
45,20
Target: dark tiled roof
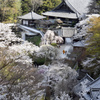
78,7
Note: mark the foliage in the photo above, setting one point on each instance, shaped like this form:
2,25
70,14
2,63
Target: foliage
94,47
63,96
54,44
16,76
35,39
38,6
28,5
10,10
23,80
94,7
35,4
61,79
48,5
50,37
39,60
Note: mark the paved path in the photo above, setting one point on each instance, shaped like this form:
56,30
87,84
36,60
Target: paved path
66,48
60,54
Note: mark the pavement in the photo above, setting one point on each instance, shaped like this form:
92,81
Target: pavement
60,54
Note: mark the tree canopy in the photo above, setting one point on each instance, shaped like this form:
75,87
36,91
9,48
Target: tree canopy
10,9
94,47
94,7
48,5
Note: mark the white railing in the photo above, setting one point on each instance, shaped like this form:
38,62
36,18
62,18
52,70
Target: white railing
31,30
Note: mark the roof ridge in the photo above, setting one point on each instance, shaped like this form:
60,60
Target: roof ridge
94,81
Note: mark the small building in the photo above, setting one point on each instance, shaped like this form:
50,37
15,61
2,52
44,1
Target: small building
28,19
67,33
69,10
28,25
88,88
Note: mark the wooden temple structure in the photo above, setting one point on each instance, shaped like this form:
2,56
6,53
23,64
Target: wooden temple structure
28,19
88,88
28,25
69,9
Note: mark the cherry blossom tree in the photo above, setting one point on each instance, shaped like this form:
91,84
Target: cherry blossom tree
50,37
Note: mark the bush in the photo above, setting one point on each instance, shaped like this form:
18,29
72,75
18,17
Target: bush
54,44
40,61
35,39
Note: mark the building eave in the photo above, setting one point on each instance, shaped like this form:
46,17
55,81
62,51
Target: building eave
61,14
31,16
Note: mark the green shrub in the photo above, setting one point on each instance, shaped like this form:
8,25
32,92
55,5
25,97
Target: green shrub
54,44
40,61
35,39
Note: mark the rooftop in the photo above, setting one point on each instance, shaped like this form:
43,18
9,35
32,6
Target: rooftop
78,6
88,88
31,15
60,14
70,9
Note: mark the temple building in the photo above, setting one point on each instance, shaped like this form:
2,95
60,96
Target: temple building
69,9
28,19
88,88
28,26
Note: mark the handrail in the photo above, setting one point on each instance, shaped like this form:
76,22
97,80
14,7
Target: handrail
26,28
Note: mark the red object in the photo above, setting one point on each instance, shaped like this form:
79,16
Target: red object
63,51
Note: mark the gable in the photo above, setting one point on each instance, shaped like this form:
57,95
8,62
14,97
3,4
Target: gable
63,7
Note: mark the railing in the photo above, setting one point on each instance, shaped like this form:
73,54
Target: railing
31,30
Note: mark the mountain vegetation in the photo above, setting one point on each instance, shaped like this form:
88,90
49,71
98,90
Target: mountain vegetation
94,46
43,71
94,7
10,9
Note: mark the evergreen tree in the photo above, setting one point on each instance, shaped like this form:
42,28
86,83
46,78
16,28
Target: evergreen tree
26,6
29,5
48,5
